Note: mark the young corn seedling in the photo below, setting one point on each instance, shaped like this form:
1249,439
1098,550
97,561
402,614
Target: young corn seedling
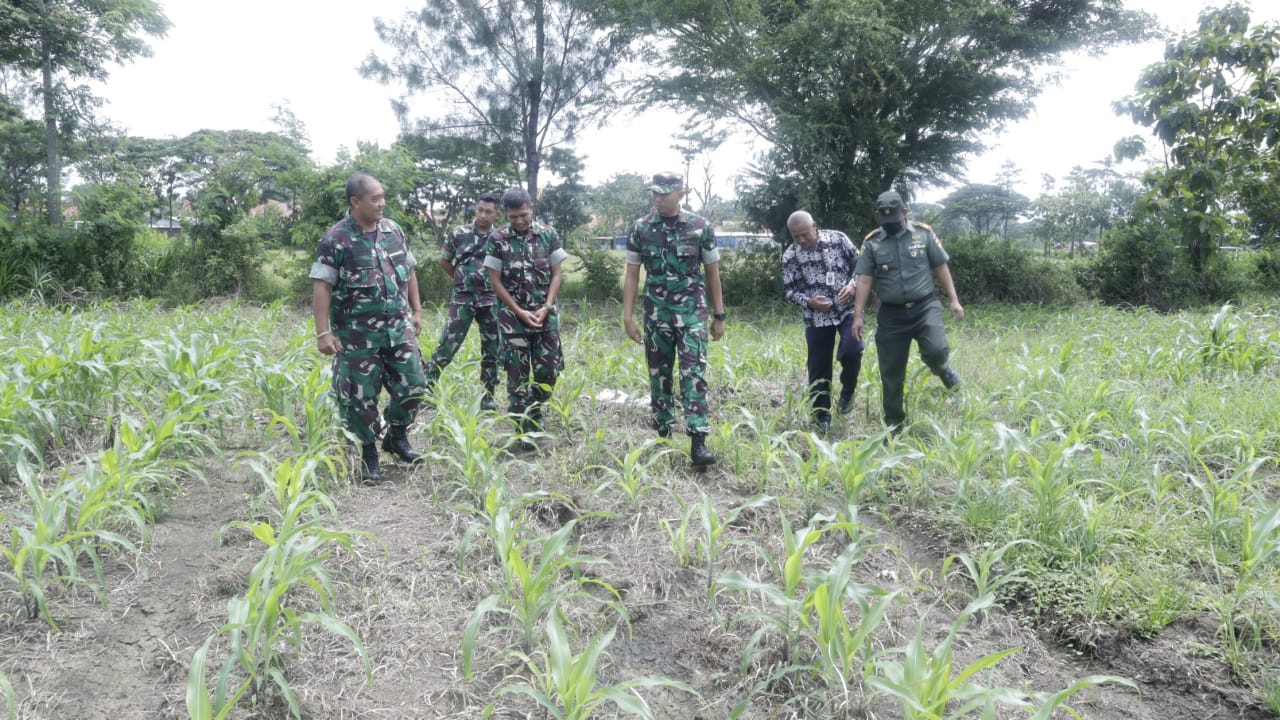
927,683
476,463
845,655
631,470
10,702
787,600
984,570
713,526
263,620
565,684
532,589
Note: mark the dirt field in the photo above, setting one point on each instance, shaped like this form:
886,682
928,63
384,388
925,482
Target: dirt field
409,600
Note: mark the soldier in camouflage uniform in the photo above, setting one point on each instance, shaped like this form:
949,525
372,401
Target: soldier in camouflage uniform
675,248
523,259
472,299
901,260
368,315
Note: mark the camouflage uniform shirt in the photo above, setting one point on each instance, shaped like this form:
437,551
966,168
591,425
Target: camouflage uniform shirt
673,254
465,249
525,261
370,274
902,265
822,270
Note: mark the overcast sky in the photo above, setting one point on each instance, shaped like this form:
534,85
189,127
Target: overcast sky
224,64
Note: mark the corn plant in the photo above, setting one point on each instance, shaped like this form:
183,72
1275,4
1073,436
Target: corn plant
45,547
984,571
927,683
565,683
264,619
1259,541
533,588
845,655
476,463
713,526
787,600
631,470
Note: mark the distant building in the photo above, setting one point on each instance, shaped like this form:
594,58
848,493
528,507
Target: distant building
169,226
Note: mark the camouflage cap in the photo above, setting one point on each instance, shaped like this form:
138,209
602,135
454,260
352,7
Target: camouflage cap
889,207
666,182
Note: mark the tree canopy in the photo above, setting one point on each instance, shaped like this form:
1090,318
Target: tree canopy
69,40
524,75
858,96
1214,105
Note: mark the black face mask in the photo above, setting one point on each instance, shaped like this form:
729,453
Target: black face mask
892,229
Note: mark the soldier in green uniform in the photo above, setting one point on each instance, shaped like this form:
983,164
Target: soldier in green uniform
523,259
462,258
675,248
368,315
900,260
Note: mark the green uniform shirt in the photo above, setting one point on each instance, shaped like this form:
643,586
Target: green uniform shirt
673,253
525,261
465,248
902,266
370,274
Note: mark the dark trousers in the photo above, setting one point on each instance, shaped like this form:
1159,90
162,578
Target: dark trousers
896,327
821,342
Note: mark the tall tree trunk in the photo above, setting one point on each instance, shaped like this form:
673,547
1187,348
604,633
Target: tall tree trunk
532,158
53,166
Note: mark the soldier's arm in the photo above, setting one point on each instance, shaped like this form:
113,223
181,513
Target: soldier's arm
943,273
630,284
860,295
717,300
321,296
415,301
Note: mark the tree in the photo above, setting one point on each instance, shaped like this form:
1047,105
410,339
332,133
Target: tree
697,141
562,205
1214,105
448,174
523,74
616,202
21,157
985,208
859,96
69,40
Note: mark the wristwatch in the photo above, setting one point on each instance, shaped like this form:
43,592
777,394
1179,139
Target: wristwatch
718,316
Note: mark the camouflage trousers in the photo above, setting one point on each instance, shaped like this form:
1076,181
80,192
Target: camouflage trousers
455,332
663,343
533,361
360,374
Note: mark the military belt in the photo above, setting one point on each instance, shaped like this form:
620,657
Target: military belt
908,305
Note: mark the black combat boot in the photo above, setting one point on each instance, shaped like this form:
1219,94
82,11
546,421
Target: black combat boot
486,402
699,455
397,443
369,471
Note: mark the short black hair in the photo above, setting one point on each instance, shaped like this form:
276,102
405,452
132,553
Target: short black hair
489,198
358,183
516,198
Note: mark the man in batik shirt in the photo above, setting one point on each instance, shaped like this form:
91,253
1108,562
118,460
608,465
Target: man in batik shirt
818,275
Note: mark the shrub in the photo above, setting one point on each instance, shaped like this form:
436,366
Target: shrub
989,271
751,278
601,272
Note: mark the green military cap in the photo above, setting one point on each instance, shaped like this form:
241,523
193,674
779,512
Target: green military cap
666,182
889,207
